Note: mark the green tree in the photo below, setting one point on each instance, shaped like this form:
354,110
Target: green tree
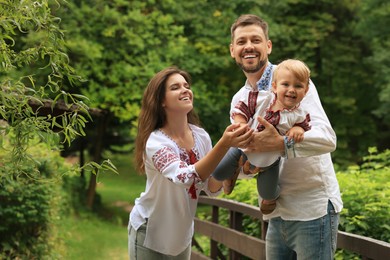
30,168
345,75
374,17
42,44
118,45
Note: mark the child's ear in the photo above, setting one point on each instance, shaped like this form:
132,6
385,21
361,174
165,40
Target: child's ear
274,86
307,88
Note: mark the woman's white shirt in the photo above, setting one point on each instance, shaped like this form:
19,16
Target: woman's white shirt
169,202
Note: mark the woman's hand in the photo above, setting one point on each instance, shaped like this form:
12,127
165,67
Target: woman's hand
237,135
265,141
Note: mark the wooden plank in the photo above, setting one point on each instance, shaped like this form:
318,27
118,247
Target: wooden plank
214,250
367,248
198,256
363,246
232,205
244,244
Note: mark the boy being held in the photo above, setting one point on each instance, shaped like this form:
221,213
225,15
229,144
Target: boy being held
280,108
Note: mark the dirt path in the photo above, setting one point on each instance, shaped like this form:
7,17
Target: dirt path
124,205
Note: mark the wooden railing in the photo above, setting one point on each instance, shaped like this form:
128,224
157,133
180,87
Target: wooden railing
240,244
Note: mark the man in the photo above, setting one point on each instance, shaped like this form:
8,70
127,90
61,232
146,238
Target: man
305,222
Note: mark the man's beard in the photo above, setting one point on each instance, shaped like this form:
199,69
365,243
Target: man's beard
251,69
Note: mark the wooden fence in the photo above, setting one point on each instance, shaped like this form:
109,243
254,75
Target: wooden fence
240,244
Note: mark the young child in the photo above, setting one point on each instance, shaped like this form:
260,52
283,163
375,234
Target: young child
279,107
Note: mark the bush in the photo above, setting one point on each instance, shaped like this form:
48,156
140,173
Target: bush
26,213
31,206
245,191
366,196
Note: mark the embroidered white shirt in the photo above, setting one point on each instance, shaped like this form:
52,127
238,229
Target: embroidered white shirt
252,104
167,204
307,178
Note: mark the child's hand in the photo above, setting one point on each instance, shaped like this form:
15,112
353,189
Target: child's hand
296,133
240,119
246,125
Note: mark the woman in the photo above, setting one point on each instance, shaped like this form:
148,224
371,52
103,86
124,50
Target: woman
177,156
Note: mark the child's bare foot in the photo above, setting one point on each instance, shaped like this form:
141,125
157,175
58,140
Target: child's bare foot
228,185
267,206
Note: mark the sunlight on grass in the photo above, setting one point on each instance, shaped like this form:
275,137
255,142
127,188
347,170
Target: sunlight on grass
118,191
103,235
125,186
89,237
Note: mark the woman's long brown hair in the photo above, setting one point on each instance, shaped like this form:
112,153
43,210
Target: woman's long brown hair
152,115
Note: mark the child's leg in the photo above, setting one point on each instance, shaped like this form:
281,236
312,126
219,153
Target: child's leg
267,182
228,165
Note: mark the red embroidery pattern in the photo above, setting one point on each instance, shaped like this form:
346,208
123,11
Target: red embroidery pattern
182,177
163,158
305,124
272,117
248,110
252,102
166,156
192,156
192,189
184,157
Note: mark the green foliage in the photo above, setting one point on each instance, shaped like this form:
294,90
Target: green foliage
33,68
366,196
375,15
31,37
106,165
25,214
88,236
31,209
245,191
119,50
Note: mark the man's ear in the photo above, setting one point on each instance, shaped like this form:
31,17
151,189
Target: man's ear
231,50
269,45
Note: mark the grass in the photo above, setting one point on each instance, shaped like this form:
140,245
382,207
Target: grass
118,191
90,237
125,186
104,235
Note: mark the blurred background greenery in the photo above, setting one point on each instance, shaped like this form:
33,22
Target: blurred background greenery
101,54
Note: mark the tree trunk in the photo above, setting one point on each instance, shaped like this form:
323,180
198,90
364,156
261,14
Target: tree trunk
97,157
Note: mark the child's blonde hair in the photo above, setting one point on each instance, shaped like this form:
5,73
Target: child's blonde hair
300,70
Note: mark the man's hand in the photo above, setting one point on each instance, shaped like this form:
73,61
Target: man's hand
267,140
